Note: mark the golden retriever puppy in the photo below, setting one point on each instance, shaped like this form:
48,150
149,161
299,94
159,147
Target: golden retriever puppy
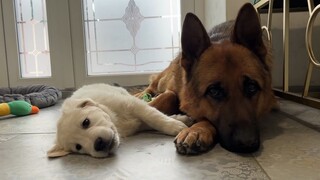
96,116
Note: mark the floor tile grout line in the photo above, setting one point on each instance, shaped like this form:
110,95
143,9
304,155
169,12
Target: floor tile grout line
254,157
302,122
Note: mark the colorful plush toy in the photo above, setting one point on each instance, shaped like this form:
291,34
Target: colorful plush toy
147,97
18,108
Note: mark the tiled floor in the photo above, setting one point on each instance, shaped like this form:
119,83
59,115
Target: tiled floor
290,150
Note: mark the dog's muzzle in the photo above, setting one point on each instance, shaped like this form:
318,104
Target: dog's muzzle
101,144
241,141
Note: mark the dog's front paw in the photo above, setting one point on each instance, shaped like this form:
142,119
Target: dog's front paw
197,139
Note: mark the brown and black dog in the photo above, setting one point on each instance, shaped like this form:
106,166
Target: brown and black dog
222,80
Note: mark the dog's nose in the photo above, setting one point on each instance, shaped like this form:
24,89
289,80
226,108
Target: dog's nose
241,146
245,140
101,144
241,140
246,147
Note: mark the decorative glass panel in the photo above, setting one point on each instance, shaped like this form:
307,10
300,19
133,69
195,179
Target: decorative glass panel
131,36
33,44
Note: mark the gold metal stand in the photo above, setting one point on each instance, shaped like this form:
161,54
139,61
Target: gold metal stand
304,97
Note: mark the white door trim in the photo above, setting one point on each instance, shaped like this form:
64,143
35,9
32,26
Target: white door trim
3,67
59,43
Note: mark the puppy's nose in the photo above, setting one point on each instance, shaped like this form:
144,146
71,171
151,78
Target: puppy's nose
101,144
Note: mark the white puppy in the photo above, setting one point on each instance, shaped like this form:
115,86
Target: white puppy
96,115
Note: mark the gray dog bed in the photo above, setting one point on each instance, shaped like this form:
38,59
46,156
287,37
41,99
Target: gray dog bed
37,95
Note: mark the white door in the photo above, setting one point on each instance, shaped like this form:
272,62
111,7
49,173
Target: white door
70,43
37,43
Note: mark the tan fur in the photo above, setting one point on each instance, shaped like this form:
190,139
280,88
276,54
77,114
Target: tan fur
110,113
234,58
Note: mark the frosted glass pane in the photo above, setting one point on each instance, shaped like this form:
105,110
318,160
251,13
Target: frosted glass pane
41,38
116,57
30,65
23,10
153,35
25,35
104,9
33,44
90,37
111,62
108,9
158,7
113,36
152,67
154,60
130,36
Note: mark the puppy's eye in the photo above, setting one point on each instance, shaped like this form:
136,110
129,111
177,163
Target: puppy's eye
78,147
216,92
251,87
86,123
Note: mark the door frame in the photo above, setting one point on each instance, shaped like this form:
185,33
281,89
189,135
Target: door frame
59,43
3,68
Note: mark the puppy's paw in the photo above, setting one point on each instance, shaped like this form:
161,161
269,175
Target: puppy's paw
197,139
183,118
173,127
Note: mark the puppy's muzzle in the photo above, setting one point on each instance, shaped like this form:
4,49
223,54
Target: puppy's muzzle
101,144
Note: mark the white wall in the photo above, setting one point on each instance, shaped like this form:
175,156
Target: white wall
218,11
215,12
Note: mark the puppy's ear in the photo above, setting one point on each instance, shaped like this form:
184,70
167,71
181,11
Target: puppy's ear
86,102
194,41
78,103
57,151
247,31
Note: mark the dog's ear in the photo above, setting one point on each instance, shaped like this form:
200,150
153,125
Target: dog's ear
194,41
247,30
86,102
57,151
77,103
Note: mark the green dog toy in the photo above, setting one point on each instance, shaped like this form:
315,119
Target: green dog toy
147,97
18,108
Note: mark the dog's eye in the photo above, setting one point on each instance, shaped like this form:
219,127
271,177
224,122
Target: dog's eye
251,87
216,92
86,123
78,147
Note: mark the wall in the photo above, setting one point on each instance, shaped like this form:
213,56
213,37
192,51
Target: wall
215,12
218,11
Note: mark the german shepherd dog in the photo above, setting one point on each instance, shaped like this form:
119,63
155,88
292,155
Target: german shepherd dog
222,79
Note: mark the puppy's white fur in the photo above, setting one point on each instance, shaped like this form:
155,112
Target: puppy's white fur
112,113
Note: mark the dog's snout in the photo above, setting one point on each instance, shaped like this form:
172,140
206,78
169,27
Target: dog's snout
246,140
241,146
101,144
247,146
242,140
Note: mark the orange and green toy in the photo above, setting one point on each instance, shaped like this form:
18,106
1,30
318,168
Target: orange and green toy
18,108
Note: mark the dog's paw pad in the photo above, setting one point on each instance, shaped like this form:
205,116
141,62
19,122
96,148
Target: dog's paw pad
191,142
